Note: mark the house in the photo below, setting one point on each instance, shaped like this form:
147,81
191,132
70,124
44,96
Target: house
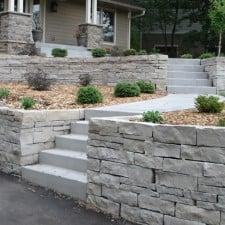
90,23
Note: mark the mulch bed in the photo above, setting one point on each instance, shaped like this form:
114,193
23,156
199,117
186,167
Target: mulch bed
64,96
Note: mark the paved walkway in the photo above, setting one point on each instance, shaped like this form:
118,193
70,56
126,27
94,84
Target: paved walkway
21,204
171,102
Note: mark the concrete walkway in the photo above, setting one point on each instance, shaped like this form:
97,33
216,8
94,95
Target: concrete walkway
171,102
22,204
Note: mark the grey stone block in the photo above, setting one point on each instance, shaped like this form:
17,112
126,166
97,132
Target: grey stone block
168,220
94,189
166,150
177,199
148,161
134,145
214,170
93,164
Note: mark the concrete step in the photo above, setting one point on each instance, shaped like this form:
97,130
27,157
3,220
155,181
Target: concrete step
187,75
185,68
191,90
61,180
80,127
74,142
184,61
189,82
64,158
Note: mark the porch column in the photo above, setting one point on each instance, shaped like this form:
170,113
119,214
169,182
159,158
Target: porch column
11,5
88,11
20,6
94,11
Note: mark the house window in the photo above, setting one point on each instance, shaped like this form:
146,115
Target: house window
106,18
1,5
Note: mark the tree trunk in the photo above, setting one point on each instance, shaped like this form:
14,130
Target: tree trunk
220,44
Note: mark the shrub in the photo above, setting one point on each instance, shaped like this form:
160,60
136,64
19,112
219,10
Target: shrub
89,95
99,52
146,87
155,51
4,93
209,104
27,102
142,52
207,55
85,79
221,122
116,51
152,117
59,52
126,89
129,52
39,80
187,56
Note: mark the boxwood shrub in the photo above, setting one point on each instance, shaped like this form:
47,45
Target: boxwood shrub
126,89
99,52
4,93
129,52
146,87
59,52
89,95
152,117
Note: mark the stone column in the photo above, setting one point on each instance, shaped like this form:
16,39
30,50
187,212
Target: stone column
16,33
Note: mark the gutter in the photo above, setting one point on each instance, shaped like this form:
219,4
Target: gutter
139,15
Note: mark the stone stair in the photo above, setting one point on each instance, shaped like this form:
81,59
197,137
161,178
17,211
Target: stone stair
187,76
64,168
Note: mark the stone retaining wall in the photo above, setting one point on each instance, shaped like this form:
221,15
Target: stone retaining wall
23,134
157,174
216,69
108,70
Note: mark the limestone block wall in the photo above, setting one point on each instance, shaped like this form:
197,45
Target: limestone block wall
23,134
216,69
108,70
157,174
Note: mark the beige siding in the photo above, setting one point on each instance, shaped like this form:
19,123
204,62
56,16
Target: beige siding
61,25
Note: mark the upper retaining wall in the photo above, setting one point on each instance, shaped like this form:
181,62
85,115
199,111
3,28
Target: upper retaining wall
108,70
216,70
157,174
23,134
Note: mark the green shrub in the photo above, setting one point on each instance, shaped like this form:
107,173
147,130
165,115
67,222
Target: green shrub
27,102
152,117
129,52
221,122
209,104
187,56
99,52
126,89
59,52
155,51
146,87
89,95
142,52
4,93
207,55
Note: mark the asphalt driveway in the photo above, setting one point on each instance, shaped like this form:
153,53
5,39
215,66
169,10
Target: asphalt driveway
23,204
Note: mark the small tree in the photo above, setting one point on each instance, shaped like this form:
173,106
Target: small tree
217,17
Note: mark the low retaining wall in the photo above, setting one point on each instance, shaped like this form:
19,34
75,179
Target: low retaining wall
108,70
216,69
157,174
23,134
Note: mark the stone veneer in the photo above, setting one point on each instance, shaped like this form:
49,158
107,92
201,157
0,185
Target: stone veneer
216,69
23,134
16,33
93,35
157,174
107,71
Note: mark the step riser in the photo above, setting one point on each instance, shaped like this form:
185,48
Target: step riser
71,144
186,75
189,82
185,68
72,188
189,62
191,90
79,128
79,165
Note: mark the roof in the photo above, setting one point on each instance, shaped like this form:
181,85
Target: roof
126,4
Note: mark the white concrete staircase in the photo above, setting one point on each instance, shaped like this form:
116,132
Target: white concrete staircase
73,51
187,76
63,169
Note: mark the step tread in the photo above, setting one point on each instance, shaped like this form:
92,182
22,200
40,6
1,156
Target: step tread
74,136
66,153
58,172
85,122
183,79
183,86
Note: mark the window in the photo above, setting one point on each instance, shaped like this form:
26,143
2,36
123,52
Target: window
107,19
1,5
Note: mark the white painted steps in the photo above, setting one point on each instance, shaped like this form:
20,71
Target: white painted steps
63,169
187,76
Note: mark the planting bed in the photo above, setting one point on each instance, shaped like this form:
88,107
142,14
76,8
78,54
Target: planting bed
64,96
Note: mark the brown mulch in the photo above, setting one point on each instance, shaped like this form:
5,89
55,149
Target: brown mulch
192,117
64,96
